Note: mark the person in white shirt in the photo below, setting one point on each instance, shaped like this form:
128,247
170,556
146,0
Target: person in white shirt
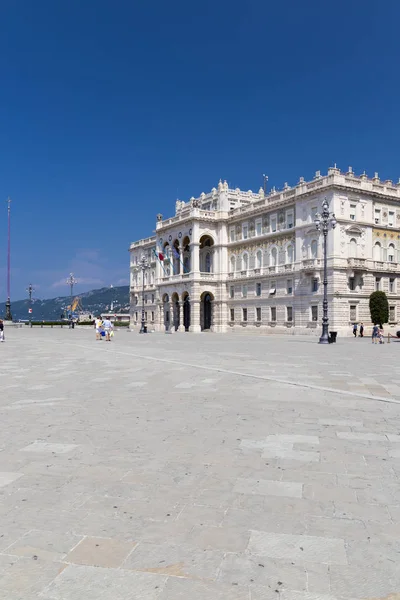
108,327
99,327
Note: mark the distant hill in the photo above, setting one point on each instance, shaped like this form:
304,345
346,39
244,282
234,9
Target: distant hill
94,302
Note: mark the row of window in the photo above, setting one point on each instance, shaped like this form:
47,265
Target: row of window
379,283
242,263
148,278
258,289
355,318
146,299
244,314
377,216
288,223
383,254
145,316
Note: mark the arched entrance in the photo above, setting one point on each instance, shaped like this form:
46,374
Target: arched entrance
175,311
186,312
206,311
166,311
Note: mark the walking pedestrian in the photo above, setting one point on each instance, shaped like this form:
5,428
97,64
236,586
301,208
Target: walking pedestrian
355,330
375,331
1,331
108,327
361,329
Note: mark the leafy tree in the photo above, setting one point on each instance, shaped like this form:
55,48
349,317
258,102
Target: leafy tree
379,308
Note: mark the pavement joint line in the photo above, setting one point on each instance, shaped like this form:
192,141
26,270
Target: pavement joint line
241,374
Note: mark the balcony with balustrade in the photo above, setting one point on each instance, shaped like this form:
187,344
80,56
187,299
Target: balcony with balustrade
310,265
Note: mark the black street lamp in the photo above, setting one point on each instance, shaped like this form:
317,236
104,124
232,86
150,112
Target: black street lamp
143,265
71,281
322,222
30,289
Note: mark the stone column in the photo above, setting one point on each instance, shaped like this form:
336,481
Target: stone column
195,316
170,309
181,325
181,269
195,257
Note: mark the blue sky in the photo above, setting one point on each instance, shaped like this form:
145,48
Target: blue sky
111,111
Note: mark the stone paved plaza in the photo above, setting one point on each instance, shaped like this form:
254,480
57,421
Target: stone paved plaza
212,467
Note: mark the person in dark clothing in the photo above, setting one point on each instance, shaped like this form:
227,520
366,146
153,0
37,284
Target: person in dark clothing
361,330
1,331
355,329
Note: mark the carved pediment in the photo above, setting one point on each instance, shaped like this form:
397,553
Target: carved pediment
355,230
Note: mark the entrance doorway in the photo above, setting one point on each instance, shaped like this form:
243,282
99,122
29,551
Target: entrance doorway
186,313
207,312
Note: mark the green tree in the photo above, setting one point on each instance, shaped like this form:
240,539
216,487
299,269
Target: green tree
379,308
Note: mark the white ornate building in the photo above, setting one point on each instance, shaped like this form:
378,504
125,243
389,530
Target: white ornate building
240,261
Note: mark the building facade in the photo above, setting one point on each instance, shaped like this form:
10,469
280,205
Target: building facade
244,261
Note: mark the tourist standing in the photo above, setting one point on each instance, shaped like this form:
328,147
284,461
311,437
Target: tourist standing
361,329
99,327
355,330
108,327
375,331
1,331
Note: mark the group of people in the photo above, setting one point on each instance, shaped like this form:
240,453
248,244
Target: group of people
355,330
377,332
103,329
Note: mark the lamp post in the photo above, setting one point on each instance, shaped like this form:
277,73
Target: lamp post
8,315
30,289
143,265
322,222
71,281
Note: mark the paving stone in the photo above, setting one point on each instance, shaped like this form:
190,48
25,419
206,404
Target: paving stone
298,547
363,512
364,583
183,589
343,528
7,478
260,571
100,552
371,437
48,447
316,491
177,561
268,488
340,422
27,576
93,583
228,539
44,544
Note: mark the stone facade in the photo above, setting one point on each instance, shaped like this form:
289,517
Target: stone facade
244,261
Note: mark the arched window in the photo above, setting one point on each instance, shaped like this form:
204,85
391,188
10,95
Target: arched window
245,262
391,253
377,252
145,278
353,248
314,249
258,259
289,254
233,264
274,257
